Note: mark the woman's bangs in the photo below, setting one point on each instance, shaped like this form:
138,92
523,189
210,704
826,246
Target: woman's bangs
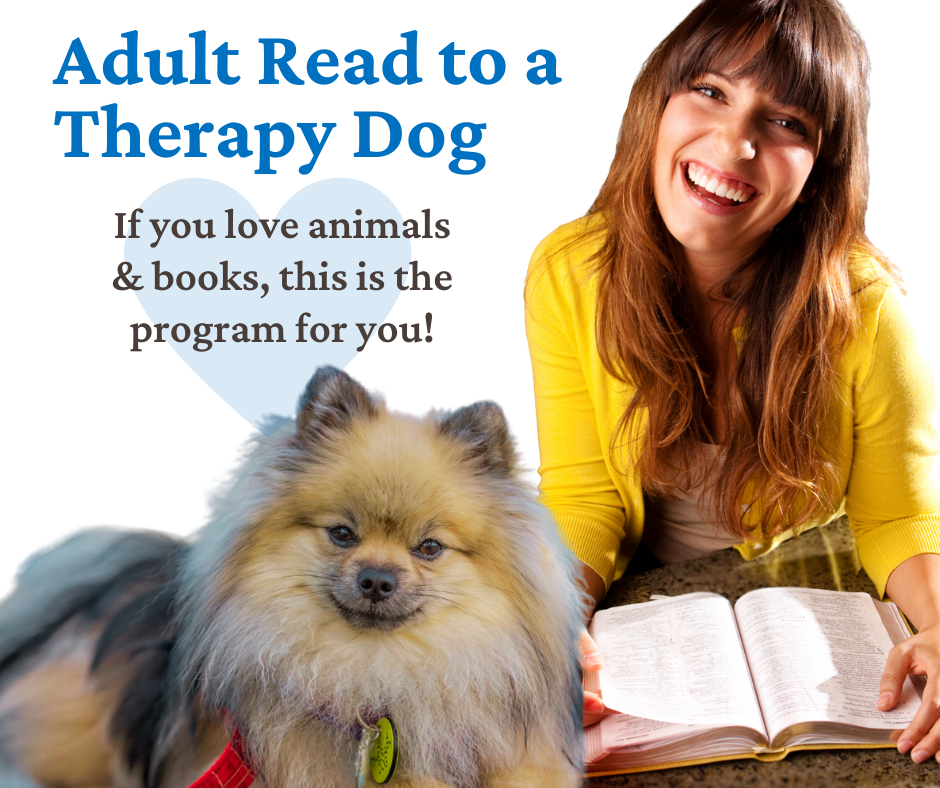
788,56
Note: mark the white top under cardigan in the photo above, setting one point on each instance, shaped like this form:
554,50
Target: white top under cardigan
680,529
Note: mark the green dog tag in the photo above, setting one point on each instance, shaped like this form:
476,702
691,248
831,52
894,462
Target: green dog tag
384,755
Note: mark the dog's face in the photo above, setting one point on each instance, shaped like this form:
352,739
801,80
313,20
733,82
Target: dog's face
389,527
390,524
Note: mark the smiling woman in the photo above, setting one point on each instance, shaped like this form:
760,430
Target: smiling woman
719,123
720,355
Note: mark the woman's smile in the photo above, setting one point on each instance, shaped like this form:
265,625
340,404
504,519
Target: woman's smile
730,163
717,187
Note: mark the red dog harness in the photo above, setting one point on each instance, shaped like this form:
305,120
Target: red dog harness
230,769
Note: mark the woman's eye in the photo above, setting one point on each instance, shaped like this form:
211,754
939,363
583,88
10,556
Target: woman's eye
791,124
430,548
709,91
342,535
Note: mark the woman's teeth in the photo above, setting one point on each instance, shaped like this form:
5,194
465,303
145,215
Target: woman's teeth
716,186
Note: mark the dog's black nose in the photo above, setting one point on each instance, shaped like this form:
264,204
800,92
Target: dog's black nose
376,584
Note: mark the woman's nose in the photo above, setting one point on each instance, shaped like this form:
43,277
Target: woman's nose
736,139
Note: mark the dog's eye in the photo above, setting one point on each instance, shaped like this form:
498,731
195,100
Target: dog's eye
343,536
430,548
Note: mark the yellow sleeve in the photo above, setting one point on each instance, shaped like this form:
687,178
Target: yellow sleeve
891,499
576,485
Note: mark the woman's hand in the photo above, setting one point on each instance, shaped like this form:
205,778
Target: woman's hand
918,655
591,660
915,588
594,708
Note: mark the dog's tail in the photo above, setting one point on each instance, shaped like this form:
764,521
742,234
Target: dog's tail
83,575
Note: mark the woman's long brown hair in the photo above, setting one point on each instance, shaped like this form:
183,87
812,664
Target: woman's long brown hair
795,293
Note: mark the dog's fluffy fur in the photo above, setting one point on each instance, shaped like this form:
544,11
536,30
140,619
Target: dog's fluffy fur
125,658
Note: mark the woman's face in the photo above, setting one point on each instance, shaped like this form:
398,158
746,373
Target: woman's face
730,162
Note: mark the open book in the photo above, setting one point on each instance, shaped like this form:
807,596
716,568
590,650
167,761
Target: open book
786,668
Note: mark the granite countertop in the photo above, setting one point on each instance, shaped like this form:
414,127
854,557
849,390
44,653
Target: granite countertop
821,558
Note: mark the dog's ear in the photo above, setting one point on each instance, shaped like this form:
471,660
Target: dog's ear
332,401
483,431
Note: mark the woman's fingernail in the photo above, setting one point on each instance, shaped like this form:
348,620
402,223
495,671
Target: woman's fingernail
919,756
884,699
595,706
593,661
904,745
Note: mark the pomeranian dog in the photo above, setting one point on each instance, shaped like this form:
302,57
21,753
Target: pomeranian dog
359,566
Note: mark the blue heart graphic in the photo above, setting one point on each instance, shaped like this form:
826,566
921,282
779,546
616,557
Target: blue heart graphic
257,378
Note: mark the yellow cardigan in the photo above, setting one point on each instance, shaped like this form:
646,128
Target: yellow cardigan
883,410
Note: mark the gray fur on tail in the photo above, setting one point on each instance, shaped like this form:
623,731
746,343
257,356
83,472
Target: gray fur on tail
70,578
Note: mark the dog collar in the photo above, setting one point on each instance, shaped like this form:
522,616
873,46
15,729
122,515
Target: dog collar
353,730
378,752
230,770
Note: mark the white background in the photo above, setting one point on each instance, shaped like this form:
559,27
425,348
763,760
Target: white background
97,435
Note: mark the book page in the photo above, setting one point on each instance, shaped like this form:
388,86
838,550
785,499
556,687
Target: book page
621,730
668,746
818,656
676,660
